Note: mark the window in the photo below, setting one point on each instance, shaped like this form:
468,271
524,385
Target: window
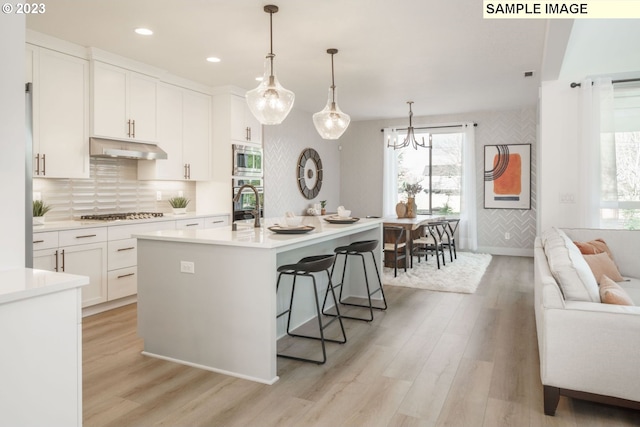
446,172
620,161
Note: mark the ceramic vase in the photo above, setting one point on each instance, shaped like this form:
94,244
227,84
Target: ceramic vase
412,208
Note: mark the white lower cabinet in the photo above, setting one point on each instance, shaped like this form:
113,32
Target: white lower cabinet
216,221
87,260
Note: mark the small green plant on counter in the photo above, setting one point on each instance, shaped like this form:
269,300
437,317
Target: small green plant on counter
40,208
179,202
323,204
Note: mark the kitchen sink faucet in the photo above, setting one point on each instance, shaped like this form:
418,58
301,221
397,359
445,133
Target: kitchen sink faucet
256,212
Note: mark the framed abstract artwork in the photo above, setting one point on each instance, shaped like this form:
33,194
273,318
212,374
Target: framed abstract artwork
507,176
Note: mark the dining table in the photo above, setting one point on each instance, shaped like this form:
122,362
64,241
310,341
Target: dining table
411,227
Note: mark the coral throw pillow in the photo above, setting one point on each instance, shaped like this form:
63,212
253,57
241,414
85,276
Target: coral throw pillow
612,293
601,264
596,246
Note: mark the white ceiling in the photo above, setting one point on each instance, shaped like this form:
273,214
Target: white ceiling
440,54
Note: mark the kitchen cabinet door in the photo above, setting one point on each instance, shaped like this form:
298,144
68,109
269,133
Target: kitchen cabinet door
169,133
87,260
46,259
244,126
142,106
196,138
110,117
60,114
124,103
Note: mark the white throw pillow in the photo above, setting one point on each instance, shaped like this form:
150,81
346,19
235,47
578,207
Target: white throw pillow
570,269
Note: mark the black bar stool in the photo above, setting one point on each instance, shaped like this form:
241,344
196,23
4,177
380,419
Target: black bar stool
305,267
358,249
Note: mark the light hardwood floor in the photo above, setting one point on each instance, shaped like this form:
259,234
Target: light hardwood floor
432,359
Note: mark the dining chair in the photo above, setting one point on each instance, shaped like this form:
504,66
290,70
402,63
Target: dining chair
430,240
452,227
396,245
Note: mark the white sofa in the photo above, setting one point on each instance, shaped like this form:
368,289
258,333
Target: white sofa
588,349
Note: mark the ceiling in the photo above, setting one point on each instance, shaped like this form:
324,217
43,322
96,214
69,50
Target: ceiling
440,54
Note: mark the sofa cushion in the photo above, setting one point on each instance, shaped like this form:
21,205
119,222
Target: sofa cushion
601,264
569,268
612,293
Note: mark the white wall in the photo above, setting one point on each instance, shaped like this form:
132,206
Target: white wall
283,145
559,165
12,141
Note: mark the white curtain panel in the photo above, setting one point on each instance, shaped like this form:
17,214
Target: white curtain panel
596,147
468,237
390,174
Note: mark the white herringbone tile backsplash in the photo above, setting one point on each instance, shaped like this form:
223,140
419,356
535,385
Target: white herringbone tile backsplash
112,187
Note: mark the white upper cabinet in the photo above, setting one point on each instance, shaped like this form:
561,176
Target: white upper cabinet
59,113
184,132
196,137
124,103
244,126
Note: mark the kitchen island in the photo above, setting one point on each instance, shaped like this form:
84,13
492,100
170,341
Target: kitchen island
207,298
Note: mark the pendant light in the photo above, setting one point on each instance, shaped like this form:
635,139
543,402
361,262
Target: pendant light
411,137
270,103
331,122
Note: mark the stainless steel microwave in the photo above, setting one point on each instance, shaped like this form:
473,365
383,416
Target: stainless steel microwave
247,160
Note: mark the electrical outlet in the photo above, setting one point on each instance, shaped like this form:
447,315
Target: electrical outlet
158,195
507,235
187,267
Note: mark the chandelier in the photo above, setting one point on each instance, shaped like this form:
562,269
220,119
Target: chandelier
270,103
331,122
411,137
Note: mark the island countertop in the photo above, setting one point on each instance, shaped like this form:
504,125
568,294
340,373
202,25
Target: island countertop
247,235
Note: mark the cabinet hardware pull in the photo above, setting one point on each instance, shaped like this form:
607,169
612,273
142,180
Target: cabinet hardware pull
44,165
129,128
38,241
56,257
126,249
62,260
126,275
218,222
38,164
185,171
191,225
249,133
85,236
189,169
134,128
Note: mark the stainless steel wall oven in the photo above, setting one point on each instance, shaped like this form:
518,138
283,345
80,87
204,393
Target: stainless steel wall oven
247,160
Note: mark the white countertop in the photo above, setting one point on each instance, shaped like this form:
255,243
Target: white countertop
22,283
74,224
248,236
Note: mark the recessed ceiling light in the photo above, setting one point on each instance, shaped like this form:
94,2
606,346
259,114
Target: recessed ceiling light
213,59
259,78
528,73
143,31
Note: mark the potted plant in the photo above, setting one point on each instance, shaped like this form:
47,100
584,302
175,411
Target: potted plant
179,205
323,206
39,209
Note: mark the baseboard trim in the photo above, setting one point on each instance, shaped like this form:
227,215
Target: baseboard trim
495,250
110,305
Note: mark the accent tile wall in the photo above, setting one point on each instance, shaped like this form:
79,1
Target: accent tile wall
112,187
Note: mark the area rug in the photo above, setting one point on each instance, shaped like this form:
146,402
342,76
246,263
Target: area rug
462,275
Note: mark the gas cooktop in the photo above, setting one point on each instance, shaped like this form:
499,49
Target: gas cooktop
121,216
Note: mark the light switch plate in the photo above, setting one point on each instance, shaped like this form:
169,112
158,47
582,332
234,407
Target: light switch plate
187,267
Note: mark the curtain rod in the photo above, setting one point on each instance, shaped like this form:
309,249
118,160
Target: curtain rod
434,127
574,84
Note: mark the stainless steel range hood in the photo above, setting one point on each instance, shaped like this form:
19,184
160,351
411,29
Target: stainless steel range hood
101,147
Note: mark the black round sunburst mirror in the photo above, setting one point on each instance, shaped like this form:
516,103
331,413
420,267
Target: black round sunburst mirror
309,173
